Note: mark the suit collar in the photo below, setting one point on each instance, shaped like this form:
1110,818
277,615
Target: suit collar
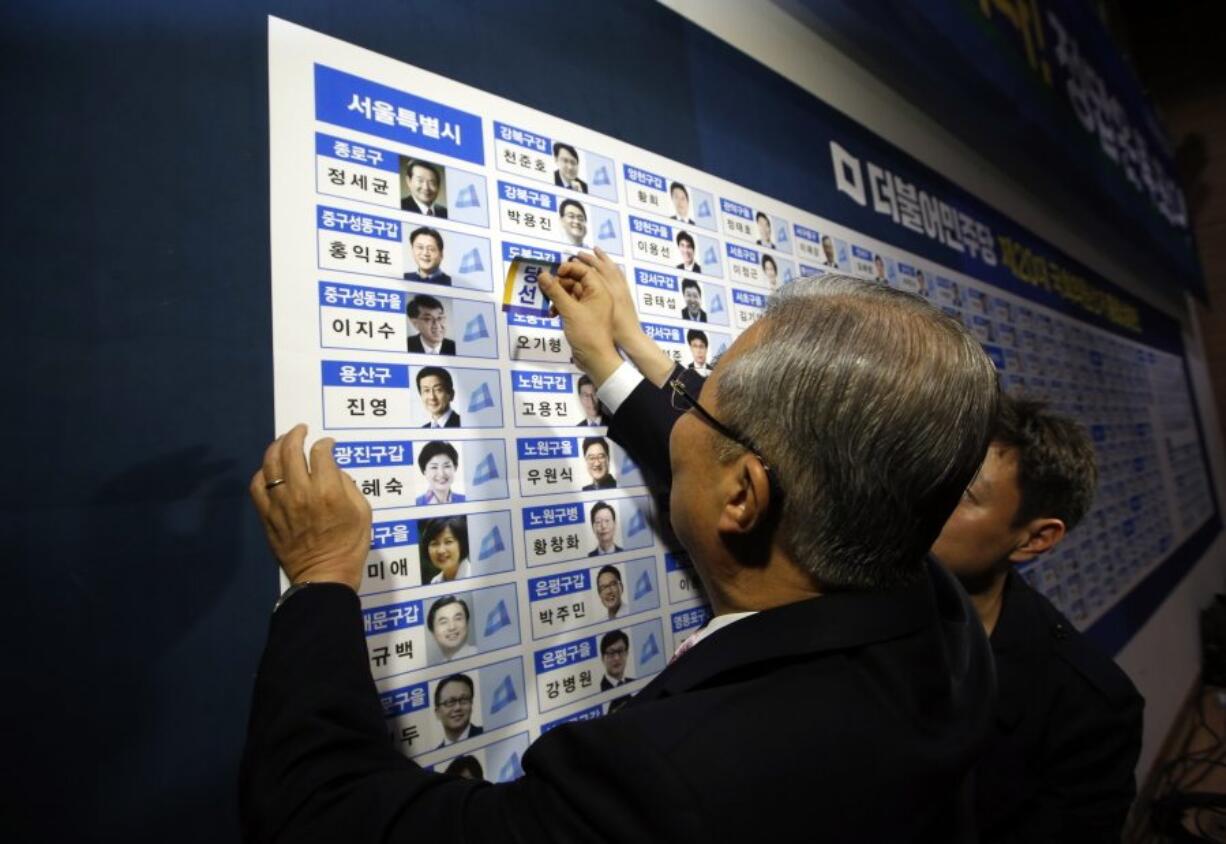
834,622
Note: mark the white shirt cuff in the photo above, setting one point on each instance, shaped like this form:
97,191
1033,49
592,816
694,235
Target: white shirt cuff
618,386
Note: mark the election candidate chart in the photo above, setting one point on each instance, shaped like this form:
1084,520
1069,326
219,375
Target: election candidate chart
516,579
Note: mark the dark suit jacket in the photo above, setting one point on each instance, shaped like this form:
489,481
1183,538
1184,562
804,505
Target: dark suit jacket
415,345
557,180
605,685
441,278
607,482
853,715
453,421
595,552
702,315
697,268
1067,732
409,204
474,730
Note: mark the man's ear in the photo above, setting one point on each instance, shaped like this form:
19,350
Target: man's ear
747,496
1037,537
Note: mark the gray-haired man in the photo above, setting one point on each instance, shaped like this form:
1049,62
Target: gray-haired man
850,673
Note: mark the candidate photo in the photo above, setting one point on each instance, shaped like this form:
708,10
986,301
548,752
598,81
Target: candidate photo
421,185
594,413
439,461
699,345
764,230
443,549
426,249
614,650
447,621
828,253
429,317
609,588
692,293
685,245
596,456
453,706
437,392
574,221
604,529
566,158
681,203
770,270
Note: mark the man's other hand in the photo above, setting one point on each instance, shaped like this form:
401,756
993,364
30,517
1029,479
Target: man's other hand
316,519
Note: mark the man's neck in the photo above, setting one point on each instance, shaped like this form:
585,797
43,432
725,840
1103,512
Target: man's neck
752,588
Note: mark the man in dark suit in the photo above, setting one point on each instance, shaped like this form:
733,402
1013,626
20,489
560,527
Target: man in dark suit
453,706
437,392
764,231
566,158
604,528
423,181
692,294
680,195
614,648
834,646
427,247
596,456
1067,733
686,246
594,412
429,317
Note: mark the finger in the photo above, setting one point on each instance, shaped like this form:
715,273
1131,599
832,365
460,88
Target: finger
324,471
602,258
562,301
567,283
271,466
353,493
572,268
588,258
293,459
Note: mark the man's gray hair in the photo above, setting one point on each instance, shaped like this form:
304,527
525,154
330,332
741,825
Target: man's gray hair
875,410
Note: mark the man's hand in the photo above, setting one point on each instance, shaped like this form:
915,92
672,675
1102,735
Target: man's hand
628,334
581,297
600,267
316,519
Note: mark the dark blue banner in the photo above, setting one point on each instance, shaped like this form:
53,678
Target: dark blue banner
1046,85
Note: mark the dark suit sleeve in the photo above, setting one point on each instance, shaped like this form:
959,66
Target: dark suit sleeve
643,423
1089,759
318,765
